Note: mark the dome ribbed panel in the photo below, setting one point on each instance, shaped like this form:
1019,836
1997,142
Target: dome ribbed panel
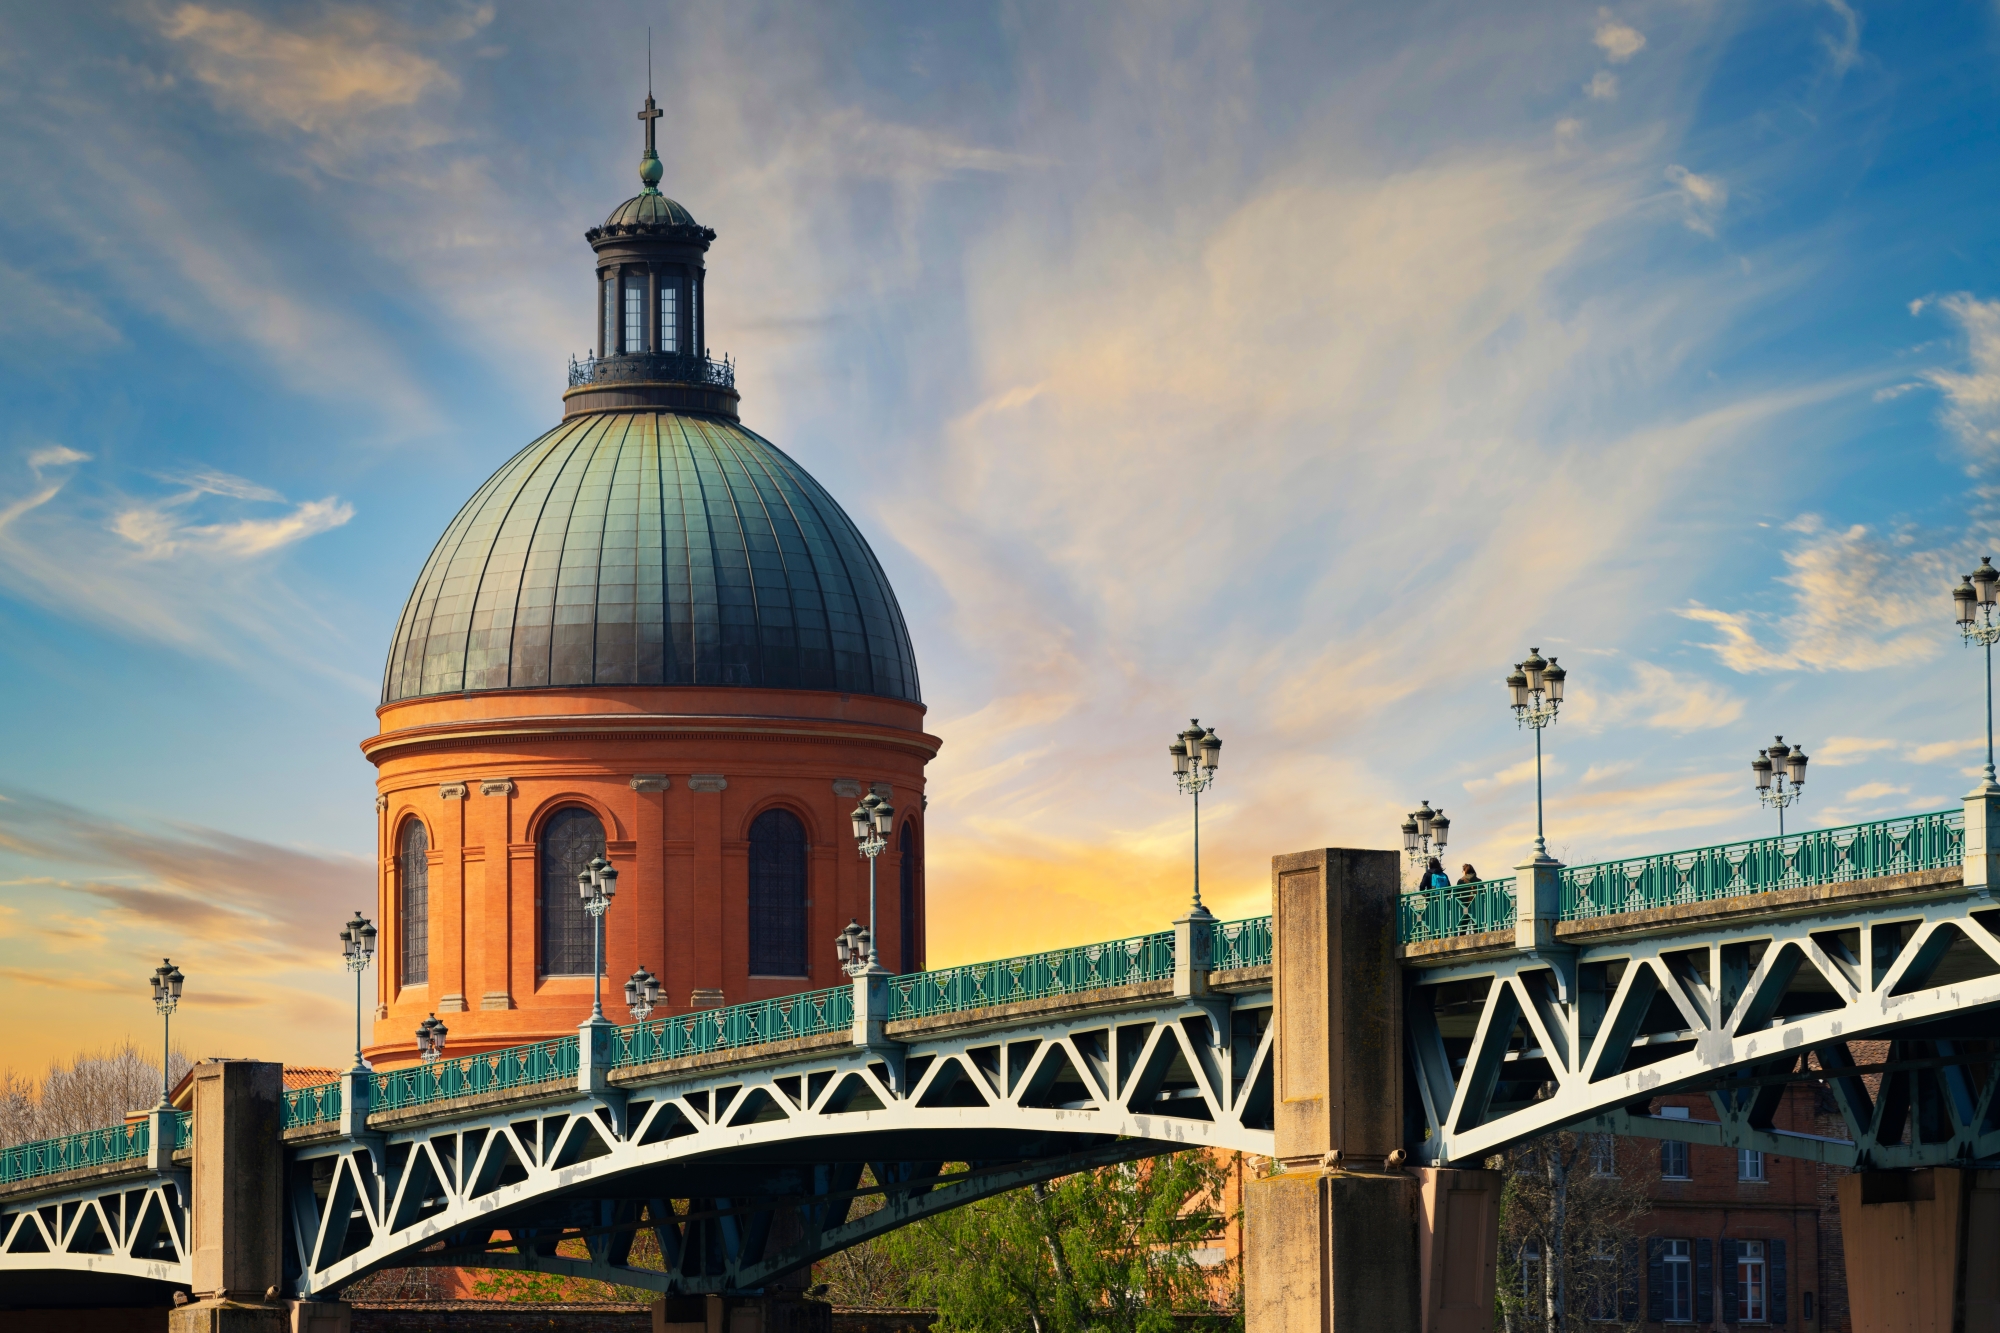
651,549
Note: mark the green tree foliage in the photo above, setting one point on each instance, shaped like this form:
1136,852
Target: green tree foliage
1105,1251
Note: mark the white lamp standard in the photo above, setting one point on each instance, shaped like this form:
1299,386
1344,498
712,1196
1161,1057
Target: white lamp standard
357,946
873,819
430,1039
597,884
642,993
1424,835
1974,597
167,982
1772,766
1537,690
1196,753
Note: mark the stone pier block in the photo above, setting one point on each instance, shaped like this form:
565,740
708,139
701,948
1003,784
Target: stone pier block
1331,1250
238,1231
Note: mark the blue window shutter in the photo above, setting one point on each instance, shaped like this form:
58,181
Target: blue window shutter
1656,1279
1732,1292
1776,1249
1704,1281
1628,1282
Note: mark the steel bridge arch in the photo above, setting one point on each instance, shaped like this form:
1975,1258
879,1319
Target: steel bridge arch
130,1230
745,1173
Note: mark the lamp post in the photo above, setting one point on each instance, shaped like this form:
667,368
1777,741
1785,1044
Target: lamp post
1537,690
1196,752
1424,833
597,884
642,993
1974,597
430,1039
1772,766
167,982
357,946
851,945
873,819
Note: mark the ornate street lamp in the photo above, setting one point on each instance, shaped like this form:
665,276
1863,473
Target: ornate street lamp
1424,835
597,884
1196,752
167,982
642,993
852,946
1974,597
357,946
873,819
430,1039
1772,767
1536,688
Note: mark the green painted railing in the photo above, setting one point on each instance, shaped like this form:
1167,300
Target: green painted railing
1083,967
1762,865
1457,909
1245,943
91,1147
467,1075
807,1014
184,1131
317,1105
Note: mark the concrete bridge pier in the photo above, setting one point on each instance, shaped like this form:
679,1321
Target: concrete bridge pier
1344,1237
1923,1249
237,1223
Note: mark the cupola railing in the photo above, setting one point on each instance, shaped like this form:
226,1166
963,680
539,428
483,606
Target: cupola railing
652,367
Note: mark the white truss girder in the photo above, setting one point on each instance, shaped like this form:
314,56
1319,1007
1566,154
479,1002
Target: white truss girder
765,1159
1503,1049
130,1225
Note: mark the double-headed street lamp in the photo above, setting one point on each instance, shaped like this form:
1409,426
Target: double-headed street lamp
357,946
1424,834
1196,752
1772,766
597,884
167,982
430,1039
873,819
1974,597
642,993
1537,694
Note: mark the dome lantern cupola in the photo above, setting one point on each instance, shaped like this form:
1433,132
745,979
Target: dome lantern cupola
651,306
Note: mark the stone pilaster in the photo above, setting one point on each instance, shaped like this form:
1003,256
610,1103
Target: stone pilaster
237,1258
1194,951
1982,839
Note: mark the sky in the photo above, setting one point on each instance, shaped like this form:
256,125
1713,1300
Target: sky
1297,367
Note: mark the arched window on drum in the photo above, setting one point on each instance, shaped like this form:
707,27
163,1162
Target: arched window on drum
777,895
571,838
907,867
413,903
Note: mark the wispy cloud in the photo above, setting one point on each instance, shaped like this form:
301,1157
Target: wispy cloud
1972,396
1702,198
1619,41
1603,86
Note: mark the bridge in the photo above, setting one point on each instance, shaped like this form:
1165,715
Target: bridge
1377,1046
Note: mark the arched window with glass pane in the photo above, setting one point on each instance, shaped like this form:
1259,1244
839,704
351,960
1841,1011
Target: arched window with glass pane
635,313
670,314
413,908
609,343
777,895
906,886
570,839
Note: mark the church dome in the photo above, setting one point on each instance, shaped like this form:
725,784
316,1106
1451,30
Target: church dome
650,208
651,548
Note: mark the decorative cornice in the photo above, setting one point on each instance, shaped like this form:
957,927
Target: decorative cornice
708,782
451,791
650,782
497,787
641,725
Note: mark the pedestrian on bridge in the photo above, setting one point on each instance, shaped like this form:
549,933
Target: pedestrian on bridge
1467,875
1435,876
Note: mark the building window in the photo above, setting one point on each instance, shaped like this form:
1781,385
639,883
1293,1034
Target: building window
1749,1164
695,347
571,839
1673,1160
610,340
635,313
413,867
906,884
670,315
777,895
1601,1300
1752,1295
1603,1155
1677,1281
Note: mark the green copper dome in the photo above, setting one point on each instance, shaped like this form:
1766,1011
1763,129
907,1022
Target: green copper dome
651,548
650,208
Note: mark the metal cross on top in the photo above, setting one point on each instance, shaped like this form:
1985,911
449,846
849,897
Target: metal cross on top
649,115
